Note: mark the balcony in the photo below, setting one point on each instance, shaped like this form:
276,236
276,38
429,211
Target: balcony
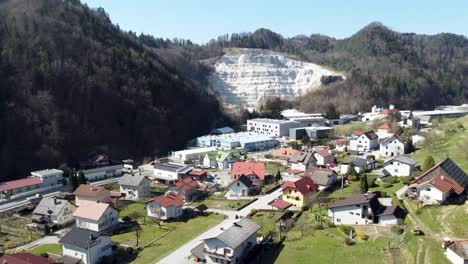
213,252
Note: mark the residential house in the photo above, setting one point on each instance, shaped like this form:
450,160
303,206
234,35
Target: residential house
285,153
39,181
240,187
341,145
254,170
25,258
85,245
360,165
169,172
166,206
437,189
452,173
193,155
399,166
96,217
367,141
324,178
302,161
363,209
457,251
197,175
392,146
300,192
135,186
221,159
52,211
100,167
86,193
232,245
188,188
386,130
324,157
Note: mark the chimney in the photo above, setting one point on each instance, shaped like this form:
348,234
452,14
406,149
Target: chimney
91,236
442,177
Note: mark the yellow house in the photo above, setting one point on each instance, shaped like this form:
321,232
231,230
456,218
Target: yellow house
299,192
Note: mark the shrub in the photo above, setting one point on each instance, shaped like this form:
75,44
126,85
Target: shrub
397,230
361,235
9,244
44,255
370,157
346,229
317,227
407,178
386,185
349,242
353,178
418,211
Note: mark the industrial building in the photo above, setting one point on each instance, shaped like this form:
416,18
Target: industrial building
311,132
271,127
246,141
188,156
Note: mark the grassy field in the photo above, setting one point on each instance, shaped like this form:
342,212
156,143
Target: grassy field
131,208
149,232
274,167
344,130
446,143
182,233
47,248
222,204
353,188
266,220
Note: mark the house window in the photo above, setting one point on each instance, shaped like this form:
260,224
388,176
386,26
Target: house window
428,189
351,213
238,184
338,220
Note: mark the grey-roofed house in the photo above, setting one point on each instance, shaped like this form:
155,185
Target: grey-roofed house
232,245
86,245
240,187
135,186
360,165
399,166
324,178
447,168
52,212
302,161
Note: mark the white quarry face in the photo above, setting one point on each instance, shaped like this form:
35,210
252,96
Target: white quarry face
248,75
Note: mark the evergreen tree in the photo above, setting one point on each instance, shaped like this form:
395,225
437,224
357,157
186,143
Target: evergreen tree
428,163
81,178
278,176
364,184
332,112
73,181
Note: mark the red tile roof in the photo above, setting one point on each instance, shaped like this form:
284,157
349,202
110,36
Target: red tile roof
93,211
90,190
390,111
342,141
24,258
169,199
386,126
248,168
11,185
324,153
285,152
358,132
280,204
186,184
443,183
304,185
197,173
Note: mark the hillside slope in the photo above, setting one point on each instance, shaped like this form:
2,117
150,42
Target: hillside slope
73,83
250,75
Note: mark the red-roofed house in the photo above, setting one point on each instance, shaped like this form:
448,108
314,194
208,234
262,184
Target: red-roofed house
42,180
324,157
166,206
299,192
187,188
254,170
342,144
91,193
24,258
197,175
457,251
96,216
437,189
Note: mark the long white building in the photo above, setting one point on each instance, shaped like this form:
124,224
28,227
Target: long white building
271,127
187,156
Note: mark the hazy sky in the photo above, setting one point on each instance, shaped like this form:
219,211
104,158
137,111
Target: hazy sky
202,20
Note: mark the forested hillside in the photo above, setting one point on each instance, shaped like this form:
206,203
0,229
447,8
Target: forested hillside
72,83
382,66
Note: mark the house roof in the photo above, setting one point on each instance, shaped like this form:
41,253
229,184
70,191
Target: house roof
92,211
388,139
197,173
402,159
11,185
24,258
354,200
238,233
169,199
386,126
392,210
304,185
186,184
222,130
50,206
320,176
370,134
358,133
358,162
89,190
132,180
302,157
444,184
248,168
342,141
294,172
47,172
198,251
460,248
244,179
168,167
79,237
324,153
448,168
280,204
285,152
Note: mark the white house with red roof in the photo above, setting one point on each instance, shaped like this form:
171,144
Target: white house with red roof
166,206
437,189
86,193
188,188
255,171
386,130
324,157
96,217
39,181
365,142
392,146
341,145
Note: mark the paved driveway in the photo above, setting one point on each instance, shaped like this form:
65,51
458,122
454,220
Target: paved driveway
182,254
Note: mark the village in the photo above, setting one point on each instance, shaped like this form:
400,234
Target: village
286,190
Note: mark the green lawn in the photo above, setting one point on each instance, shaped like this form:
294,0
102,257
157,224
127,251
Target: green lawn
131,208
266,220
344,130
46,248
222,204
353,188
149,232
456,221
273,167
182,233
447,145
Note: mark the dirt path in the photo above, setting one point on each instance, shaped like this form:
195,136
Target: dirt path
427,260
420,247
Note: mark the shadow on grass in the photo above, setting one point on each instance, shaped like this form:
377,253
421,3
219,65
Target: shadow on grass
266,253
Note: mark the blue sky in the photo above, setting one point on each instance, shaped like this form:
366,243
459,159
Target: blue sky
202,20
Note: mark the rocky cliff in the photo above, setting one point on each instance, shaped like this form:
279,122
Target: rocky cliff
249,75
